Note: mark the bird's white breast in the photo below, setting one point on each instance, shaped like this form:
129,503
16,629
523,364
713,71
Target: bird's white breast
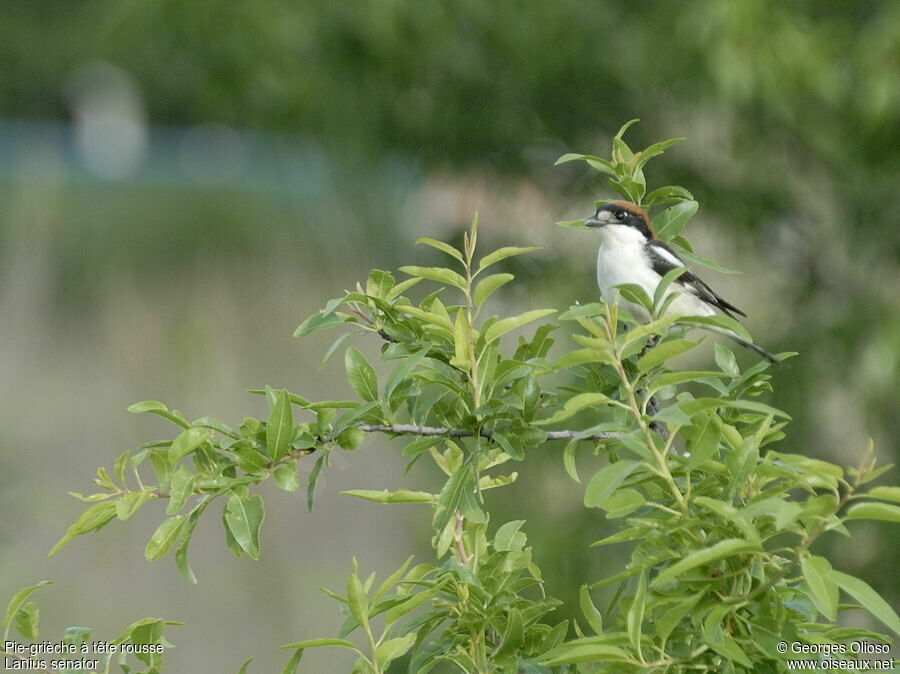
622,259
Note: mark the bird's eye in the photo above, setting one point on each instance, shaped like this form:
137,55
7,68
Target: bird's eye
621,215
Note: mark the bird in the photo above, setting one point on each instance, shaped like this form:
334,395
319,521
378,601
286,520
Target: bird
630,252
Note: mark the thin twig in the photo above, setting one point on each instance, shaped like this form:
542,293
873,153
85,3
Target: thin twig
411,429
651,404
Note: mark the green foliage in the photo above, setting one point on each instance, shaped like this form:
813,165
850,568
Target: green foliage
719,519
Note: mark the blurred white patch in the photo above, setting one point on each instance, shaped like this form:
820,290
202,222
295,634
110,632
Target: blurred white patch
211,154
110,123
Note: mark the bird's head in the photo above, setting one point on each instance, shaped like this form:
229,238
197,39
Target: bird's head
622,214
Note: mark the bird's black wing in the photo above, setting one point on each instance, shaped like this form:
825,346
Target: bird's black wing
663,259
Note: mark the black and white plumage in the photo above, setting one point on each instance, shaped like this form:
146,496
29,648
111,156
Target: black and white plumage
630,253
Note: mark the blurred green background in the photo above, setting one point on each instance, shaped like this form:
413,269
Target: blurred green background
182,183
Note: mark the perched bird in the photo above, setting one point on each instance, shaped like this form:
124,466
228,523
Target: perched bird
631,253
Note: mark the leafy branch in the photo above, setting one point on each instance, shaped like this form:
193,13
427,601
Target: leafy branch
693,477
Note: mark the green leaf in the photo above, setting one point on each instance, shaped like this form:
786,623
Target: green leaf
488,285
130,503
93,519
451,495
662,352
607,480
635,618
76,635
589,649
513,637
659,295
873,511
509,538
505,325
286,477
584,311
705,262
719,641
18,600
461,341
158,408
188,441
574,405
627,125
667,194
670,619
569,460
181,552
441,246
725,359
438,323
641,332
599,163
280,426
721,550
502,254
120,466
630,534
385,496
316,322
243,669
885,493
396,612
164,537
439,274
389,582
580,356
704,441
313,479
293,663
829,473
394,648
655,150
573,224
623,502
591,614
361,411
672,416
333,348
357,601
315,643
637,294
700,404
469,507
300,401
361,375
27,619
180,489
351,438
817,572
250,461
671,221
869,599
674,378
401,288
632,188
403,370
216,425
244,516
379,283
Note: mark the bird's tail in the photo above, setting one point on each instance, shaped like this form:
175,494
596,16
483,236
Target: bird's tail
768,355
